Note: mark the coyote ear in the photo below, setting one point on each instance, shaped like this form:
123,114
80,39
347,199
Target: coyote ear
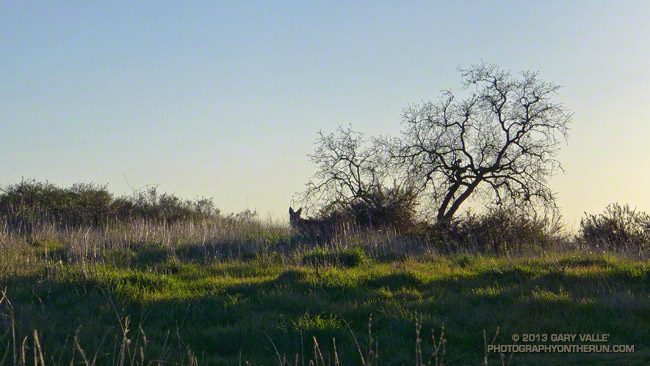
299,211
290,210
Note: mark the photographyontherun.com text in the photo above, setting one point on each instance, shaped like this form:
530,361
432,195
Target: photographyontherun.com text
599,345
560,348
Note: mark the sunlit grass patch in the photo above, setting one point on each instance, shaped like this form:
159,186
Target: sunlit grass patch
488,291
309,322
546,295
349,257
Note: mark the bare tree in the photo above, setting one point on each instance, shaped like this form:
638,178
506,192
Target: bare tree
500,142
347,168
354,183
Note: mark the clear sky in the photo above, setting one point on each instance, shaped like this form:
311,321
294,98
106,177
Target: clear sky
224,99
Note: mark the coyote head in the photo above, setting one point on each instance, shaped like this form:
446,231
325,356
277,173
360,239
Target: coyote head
294,217
311,228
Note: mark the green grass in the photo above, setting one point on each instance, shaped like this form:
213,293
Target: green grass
261,298
86,279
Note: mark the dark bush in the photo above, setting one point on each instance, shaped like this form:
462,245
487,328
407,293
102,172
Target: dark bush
150,205
379,208
498,231
30,203
619,227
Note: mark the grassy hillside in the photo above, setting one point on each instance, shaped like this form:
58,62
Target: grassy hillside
231,291
151,279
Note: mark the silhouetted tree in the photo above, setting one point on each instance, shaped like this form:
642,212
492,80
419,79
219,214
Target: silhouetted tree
353,182
499,142
347,169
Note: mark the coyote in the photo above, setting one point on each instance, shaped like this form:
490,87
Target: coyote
311,228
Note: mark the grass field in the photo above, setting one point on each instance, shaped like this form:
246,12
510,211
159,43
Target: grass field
238,291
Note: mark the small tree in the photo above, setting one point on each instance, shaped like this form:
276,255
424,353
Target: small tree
347,170
353,180
500,142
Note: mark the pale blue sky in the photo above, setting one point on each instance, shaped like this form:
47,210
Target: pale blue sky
224,99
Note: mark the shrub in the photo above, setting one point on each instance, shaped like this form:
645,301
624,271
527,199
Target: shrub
150,205
29,203
499,231
379,208
619,227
